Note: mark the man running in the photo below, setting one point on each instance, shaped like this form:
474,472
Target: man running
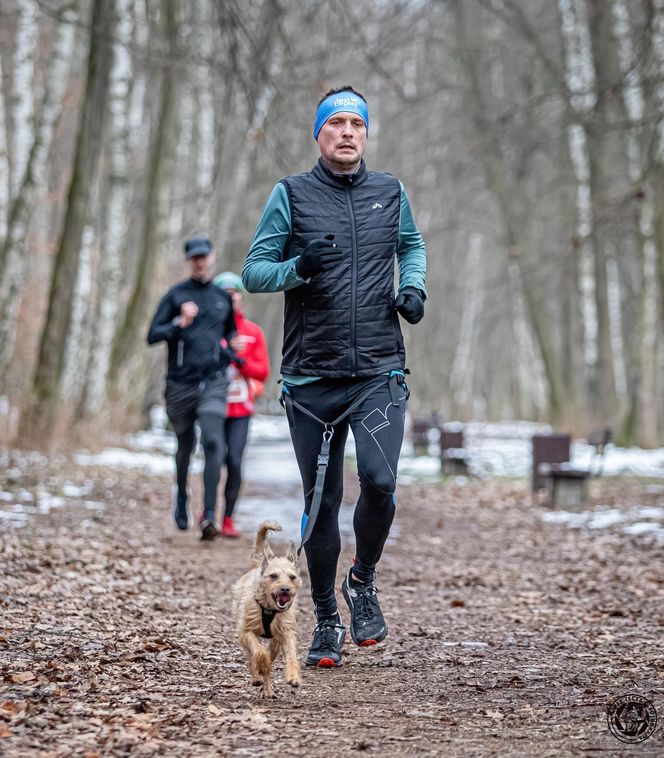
245,384
329,238
194,317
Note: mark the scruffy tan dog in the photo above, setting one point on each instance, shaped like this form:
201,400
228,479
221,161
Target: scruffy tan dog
265,603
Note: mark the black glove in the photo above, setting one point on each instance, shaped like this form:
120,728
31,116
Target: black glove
232,357
410,304
319,255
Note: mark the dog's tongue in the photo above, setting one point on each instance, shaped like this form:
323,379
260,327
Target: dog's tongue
283,598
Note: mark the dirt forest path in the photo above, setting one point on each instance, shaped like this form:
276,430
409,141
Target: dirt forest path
508,636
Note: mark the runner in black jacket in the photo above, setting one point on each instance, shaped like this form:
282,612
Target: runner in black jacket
194,317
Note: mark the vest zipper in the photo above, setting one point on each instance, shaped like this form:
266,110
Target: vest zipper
353,284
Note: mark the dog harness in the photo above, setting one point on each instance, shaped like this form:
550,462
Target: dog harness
395,378
267,617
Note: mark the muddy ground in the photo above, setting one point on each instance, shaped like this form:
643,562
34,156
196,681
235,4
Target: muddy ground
508,635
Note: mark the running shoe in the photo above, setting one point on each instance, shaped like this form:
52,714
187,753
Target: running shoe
180,511
367,624
228,528
325,650
209,530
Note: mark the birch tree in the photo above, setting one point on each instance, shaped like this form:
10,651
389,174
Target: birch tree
4,165
23,89
115,227
13,246
48,373
580,79
268,64
160,159
511,204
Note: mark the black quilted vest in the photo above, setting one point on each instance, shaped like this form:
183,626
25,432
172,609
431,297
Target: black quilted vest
342,323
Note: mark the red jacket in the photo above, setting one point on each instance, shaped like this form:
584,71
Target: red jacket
246,382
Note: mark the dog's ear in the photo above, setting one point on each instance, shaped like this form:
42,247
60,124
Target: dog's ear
291,555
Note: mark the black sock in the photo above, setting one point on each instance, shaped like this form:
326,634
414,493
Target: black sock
327,616
361,575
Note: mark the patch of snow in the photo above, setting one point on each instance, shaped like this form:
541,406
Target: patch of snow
640,528
74,490
14,519
150,463
607,517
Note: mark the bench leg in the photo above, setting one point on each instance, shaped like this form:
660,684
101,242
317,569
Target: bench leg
569,494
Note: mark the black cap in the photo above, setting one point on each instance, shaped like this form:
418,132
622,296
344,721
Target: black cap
197,246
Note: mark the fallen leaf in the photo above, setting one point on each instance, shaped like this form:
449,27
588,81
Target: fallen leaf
214,710
11,706
4,731
21,677
494,714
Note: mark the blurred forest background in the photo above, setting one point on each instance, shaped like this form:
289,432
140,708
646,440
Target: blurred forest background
529,134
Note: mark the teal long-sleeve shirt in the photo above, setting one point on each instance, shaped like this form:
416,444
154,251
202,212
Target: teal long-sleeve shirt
266,271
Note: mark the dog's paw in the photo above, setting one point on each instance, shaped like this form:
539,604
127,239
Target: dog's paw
264,693
294,681
257,682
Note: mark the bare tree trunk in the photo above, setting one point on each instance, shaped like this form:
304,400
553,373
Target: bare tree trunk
110,273
600,154
504,196
4,166
78,337
461,384
23,89
643,417
13,247
580,79
48,373
271,65
160,161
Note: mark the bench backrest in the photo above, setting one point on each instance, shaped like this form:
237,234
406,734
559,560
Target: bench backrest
450,440
548,448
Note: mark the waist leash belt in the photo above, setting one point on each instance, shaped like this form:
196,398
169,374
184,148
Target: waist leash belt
395,378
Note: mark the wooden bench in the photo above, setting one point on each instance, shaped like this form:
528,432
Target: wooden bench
421,433
566,486
453,456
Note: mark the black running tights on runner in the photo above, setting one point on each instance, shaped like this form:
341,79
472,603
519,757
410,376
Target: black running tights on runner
377,427
236,440
212,439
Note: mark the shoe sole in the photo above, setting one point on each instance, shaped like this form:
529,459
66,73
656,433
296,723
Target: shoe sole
349,603
208,534
324,663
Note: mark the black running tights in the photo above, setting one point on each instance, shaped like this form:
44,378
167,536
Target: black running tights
236,440
377,426
212,439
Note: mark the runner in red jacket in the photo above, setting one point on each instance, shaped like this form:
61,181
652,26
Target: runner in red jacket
245,385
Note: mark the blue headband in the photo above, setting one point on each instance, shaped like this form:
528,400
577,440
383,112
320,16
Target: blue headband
342,102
